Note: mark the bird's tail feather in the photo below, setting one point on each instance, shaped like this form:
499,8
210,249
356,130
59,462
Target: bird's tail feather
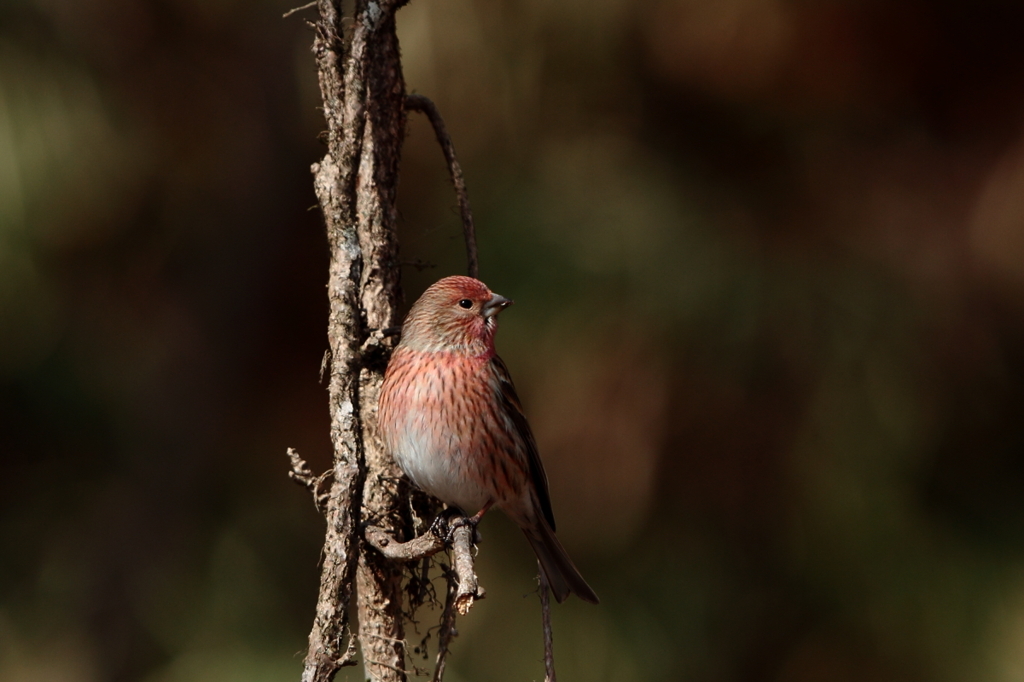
562,575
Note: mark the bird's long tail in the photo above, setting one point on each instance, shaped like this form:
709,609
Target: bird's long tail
562,575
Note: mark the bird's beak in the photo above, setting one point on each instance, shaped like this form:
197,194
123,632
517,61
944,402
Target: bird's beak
495,305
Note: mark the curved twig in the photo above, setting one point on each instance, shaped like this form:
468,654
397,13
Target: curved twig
467,588
424,546
425,106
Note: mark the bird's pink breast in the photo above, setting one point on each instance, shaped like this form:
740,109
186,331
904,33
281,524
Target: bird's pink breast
440,422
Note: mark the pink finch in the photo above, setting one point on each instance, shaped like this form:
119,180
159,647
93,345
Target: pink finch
451,418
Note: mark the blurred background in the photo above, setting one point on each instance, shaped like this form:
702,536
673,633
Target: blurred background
768,258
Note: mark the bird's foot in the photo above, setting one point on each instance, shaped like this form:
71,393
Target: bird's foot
460,522
444,524
471,521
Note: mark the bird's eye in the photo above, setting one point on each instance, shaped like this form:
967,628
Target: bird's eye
466,303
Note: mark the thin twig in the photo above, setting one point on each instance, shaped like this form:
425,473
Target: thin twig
444,636
293,10
425,106
545,608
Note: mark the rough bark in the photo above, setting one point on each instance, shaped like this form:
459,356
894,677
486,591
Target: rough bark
378,580
363,94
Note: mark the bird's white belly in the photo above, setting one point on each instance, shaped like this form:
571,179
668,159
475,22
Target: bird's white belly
434,459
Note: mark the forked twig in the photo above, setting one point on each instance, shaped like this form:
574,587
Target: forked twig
425,106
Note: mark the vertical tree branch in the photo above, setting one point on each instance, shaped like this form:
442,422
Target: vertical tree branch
362,88
327,650
378,580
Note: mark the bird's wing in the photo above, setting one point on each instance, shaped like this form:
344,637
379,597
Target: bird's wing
514,409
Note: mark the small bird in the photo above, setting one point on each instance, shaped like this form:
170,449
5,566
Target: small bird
451,418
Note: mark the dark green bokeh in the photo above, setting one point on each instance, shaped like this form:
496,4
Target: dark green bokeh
768,259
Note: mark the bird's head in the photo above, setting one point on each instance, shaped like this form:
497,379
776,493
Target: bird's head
456,314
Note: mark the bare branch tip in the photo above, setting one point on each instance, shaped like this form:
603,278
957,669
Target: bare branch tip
294,10
464,602
304,476
300,473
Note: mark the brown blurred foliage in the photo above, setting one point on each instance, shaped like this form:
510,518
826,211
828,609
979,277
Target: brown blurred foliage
768,258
